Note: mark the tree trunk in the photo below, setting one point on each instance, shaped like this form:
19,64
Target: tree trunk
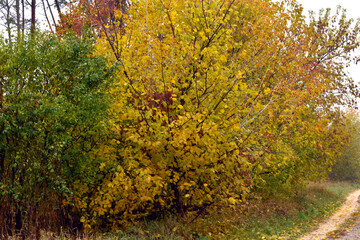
57,4
8,20
18,24
33,15
51,12
2,149
46,16
23,16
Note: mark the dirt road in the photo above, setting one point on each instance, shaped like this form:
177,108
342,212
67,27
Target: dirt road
344,212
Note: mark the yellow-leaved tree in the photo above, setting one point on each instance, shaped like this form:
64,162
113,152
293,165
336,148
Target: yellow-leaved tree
214,99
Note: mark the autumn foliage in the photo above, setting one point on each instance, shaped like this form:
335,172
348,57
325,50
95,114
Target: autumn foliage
216,101
213,102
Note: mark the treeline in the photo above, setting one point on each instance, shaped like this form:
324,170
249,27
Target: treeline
139,109
19,16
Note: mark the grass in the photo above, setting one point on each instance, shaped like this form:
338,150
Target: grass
291,218
267,218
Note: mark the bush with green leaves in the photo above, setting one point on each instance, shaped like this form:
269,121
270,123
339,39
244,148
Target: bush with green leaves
52,110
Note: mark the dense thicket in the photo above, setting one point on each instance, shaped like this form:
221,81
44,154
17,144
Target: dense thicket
52,108
213,102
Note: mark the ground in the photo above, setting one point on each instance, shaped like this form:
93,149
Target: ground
350,206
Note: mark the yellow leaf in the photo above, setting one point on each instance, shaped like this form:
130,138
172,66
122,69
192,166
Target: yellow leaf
239,75
232,200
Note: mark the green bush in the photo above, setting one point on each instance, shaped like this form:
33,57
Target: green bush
51,111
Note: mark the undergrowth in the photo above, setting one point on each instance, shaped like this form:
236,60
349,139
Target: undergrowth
269,217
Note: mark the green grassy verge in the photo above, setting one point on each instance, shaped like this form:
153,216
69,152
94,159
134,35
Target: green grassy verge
271,218
291,218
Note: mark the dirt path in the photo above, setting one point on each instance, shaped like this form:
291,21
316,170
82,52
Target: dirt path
339,217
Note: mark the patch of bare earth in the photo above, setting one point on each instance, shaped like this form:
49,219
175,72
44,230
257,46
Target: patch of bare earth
350,206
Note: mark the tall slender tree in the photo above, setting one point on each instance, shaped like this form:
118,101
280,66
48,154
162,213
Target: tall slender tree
33,15
17,16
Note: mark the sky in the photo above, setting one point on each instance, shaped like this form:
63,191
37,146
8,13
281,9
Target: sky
353,11
352,6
